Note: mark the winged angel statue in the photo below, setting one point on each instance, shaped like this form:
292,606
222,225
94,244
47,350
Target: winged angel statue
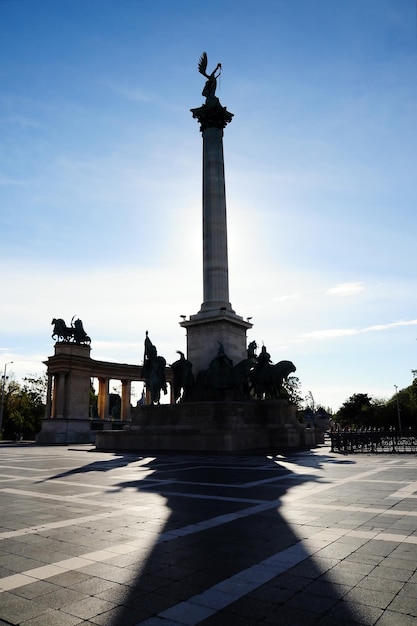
209,90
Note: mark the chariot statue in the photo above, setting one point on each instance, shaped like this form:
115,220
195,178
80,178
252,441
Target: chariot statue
70,334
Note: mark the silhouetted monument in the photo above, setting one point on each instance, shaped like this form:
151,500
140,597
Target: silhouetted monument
224,397
216,322
74,333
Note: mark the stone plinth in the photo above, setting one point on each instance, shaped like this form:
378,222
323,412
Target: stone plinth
69,371
209,427
205,331
62,431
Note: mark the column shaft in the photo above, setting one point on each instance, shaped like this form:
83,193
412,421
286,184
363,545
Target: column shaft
48,405
125,407
59,391
215,260
103,398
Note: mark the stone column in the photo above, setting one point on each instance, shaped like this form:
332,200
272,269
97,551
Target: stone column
54,394
48,405
215,261
103,398
216,322
125,405
59,392
213,119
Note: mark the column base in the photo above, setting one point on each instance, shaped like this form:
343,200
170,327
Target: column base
207,329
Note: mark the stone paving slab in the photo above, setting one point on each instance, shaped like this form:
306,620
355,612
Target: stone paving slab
108,539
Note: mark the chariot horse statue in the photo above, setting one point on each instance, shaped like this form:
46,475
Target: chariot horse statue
74,333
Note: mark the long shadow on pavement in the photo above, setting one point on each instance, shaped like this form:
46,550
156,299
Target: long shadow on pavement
225,554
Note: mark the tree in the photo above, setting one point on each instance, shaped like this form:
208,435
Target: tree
362,411
292,388
407,405
357,411
24,407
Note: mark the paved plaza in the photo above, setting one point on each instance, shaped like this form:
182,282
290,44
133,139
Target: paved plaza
172,540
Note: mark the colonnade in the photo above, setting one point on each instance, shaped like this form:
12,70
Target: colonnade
70,372
104,398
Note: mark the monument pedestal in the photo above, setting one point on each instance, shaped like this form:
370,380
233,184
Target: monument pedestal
206,330
64,431
267,425
67,406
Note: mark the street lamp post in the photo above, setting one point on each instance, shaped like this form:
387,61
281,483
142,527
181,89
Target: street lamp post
398,407
3,386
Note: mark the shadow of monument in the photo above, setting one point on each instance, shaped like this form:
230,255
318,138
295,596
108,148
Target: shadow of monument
208,542
120,460
224,552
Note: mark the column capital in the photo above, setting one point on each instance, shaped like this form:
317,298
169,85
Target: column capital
212,115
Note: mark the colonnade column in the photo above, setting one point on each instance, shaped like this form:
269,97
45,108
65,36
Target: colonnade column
59,394
48,405
125,407
103,398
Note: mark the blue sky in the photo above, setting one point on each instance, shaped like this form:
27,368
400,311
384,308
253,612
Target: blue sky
100,179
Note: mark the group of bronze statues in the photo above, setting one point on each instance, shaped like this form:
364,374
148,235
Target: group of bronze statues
74,333
253,378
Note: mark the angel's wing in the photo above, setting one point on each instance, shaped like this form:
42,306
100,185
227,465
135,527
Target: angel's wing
202,64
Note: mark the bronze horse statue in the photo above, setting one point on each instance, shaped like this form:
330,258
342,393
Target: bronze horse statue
242,373
75,332
223,380
183,379
267,380
154,371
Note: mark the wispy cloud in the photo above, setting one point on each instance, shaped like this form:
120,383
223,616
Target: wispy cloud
330,333
388,326
345,332
6,181
21,121
135,95
289,296
346,289
340,289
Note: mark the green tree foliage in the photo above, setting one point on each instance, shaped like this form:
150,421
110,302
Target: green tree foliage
362,411
357,412
407,405
292,388
24,408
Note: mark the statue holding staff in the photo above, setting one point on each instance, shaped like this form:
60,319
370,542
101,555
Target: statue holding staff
209,91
